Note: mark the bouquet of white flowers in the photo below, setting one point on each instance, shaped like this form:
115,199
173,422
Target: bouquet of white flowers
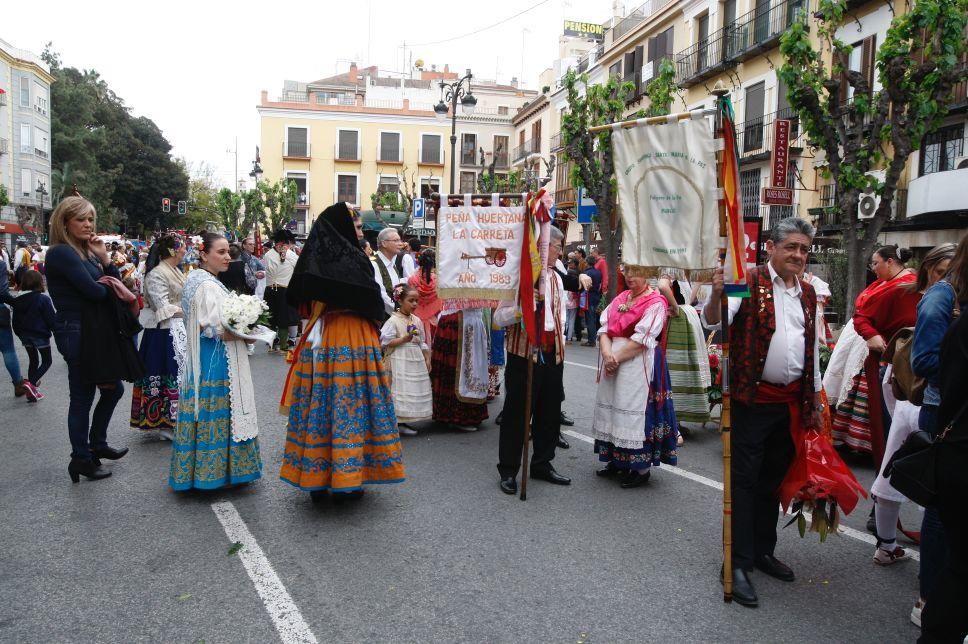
247,316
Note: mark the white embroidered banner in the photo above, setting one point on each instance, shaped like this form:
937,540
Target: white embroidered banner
479,251
668,199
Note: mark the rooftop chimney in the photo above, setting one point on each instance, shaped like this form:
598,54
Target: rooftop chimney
353,75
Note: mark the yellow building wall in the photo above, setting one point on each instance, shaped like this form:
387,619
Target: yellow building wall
322,166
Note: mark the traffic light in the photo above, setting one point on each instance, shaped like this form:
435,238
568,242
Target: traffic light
182,207
166,204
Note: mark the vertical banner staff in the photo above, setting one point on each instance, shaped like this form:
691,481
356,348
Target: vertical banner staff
734,274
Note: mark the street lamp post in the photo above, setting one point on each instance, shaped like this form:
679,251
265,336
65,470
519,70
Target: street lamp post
450,94
41,193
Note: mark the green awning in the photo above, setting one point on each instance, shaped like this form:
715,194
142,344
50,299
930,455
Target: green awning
374,225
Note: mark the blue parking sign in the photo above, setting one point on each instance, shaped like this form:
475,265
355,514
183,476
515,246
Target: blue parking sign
419,212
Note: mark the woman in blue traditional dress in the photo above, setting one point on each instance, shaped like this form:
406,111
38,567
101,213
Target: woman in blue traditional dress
215,442
342,431
154,398
634,421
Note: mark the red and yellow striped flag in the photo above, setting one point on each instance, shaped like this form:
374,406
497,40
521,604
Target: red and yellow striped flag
735,267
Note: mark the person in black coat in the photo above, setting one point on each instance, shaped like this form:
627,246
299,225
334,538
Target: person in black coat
76,259
234,278
33,322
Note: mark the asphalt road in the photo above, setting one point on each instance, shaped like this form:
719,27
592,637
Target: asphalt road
443,557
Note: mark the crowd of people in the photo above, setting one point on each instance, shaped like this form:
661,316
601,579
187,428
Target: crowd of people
374,352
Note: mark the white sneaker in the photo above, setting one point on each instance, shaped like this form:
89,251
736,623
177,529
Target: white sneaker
406,430
466,428
916,613
884,557
165,434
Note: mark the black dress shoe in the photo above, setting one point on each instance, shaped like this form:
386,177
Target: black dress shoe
509,485
562,443
635,479
743,592
566,420
774,567
607,472
551,476
110,453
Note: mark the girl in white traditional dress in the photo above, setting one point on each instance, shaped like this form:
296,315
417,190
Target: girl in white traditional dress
407,357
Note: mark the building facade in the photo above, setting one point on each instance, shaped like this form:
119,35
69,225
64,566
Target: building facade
353,135
25,141
736,43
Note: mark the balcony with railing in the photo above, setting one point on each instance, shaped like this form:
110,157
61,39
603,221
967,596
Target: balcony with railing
828,218
747,36
501,160
4,146
41,153
944,175
566,197
296,149
343,99
636,17
294,97
3,98
556,142
531,146
755,136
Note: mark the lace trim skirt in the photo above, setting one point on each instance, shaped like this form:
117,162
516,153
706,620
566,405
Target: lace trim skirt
342,431
443,376
154,398
660,430
203,455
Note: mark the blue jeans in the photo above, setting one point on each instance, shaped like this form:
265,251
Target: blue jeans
934,546
87,433
9,354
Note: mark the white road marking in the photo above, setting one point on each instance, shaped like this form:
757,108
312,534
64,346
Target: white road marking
578,364
289,622
716,485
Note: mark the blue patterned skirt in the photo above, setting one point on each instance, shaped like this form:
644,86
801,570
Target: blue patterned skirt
661,431
154,398
203,455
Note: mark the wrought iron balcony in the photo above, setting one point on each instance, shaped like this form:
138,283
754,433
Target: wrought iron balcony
747,36
531,146
556,143
636,17
755,136
501,161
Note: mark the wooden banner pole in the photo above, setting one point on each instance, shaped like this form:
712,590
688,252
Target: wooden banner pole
654,120
725,420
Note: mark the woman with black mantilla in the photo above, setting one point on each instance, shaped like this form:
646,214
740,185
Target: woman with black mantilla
342,430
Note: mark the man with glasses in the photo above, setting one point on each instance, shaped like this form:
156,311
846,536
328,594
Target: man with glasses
390,266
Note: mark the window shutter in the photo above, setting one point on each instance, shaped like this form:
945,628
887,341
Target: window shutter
637,63
348,145
297,142
430,153
669,44
389,146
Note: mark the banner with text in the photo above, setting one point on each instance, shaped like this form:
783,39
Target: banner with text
479,251
668,199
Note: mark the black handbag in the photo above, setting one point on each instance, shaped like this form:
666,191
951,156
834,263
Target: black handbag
914,469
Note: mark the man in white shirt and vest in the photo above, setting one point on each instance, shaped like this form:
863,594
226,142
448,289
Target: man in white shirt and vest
391,265
280,263
774,381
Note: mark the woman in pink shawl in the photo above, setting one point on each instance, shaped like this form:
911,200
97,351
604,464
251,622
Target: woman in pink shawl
634,420
425,281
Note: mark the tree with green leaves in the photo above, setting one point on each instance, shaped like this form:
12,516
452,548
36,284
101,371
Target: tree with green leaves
121,163
921,60
4,198
593,164
229,204
278,204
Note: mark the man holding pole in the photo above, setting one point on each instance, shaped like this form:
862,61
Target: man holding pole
774,381
546,386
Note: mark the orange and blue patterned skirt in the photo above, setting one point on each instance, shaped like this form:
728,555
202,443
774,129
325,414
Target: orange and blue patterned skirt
342,430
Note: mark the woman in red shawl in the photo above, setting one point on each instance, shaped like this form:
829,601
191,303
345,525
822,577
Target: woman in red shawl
425,281
884,307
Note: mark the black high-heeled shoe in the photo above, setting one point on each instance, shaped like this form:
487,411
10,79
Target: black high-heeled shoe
110,453
80,466
635,479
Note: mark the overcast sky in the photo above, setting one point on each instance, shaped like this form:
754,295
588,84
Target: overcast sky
197,68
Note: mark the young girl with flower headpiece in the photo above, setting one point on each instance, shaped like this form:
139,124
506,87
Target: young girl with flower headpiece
407,357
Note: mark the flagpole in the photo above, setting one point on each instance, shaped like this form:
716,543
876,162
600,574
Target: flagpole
725,421
527,423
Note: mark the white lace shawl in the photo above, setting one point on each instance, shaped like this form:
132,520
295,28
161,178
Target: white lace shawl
204,318
845,362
